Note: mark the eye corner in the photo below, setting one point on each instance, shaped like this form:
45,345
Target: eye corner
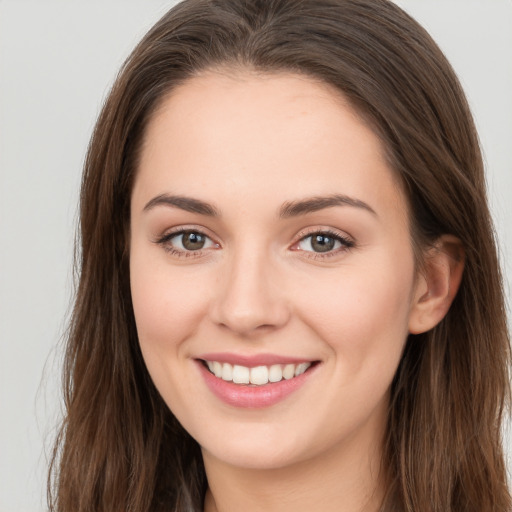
186,242
328,243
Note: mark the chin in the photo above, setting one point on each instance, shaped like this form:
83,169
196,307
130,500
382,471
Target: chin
266,457
267,449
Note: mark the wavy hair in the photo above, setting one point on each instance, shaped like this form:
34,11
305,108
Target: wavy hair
119,447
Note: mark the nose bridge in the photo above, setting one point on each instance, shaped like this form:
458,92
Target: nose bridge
249,296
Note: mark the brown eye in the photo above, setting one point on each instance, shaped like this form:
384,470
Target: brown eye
322,243
193,241
187,241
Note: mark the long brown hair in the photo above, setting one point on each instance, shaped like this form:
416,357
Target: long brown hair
120,448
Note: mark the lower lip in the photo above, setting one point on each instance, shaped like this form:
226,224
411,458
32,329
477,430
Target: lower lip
250,396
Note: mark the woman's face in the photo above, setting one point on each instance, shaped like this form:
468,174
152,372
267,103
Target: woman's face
269,237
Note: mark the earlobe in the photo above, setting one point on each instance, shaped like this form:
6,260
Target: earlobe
437,284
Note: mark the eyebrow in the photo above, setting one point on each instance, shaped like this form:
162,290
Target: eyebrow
314,204
287,210
188,204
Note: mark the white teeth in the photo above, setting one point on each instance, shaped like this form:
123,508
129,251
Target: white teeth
289,371
301,368
240,374
217,369
227,372
275,373
258,375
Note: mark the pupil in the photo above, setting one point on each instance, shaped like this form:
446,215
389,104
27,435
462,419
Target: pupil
321,243
193,241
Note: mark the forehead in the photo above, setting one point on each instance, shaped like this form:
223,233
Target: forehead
247,101
242,134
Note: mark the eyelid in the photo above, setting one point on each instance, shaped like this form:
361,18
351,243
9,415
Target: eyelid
168,235
347,241
183,228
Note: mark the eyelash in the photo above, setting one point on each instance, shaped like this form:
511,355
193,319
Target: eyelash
164,241
346,243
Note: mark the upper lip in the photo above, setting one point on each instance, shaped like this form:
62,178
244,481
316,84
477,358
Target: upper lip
252,360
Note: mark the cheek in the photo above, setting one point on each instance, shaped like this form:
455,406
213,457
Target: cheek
168,307
168,303
362,314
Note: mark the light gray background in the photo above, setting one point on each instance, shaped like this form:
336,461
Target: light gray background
57,60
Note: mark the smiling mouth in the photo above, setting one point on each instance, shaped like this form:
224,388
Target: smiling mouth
257,375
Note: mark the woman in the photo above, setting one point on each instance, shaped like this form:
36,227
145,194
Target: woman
289,294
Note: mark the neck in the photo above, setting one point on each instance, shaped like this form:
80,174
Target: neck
346,479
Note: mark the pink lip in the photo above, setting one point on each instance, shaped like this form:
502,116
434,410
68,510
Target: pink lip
249,396
251,361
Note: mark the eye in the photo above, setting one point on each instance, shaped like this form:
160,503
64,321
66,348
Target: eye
323,242
186,241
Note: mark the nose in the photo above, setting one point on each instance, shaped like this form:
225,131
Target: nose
251,298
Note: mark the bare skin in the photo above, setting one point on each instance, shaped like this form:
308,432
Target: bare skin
266,220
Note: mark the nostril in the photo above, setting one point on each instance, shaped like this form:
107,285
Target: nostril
250,300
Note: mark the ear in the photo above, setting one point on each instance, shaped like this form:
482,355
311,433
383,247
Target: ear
437,284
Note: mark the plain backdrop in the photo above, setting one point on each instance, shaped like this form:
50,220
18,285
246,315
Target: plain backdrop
57,61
